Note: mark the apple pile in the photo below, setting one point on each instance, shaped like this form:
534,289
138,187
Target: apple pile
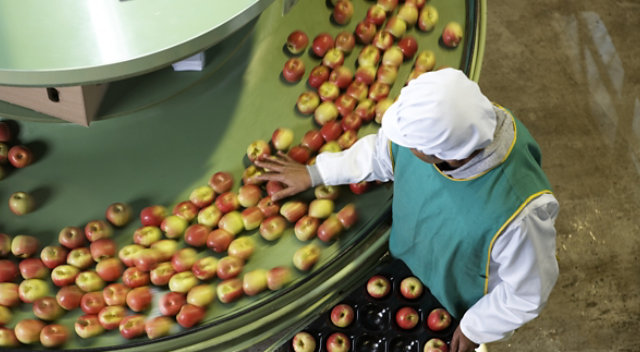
12,153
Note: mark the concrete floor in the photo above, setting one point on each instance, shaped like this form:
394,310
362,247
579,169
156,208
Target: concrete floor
570,69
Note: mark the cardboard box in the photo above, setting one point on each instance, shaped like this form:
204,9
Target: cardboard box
77,104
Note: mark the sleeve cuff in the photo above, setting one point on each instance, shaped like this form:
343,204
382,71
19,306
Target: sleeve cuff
314,173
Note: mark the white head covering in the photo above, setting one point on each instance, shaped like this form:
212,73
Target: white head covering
441,113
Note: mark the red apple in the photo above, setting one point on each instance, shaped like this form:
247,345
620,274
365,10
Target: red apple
249,195
392,56
92,302
343,12
365,31
5,245
435,345
347,139
383,40
282,138
205,268
254,282
71,237
139,298
378,286
411,287
369,56
313,140
328,91
396,26
128,253
68,297
102,249
115,294
97,229
409,46
329,229
306,257
20,156
147,235
8,338
47,308
409,12
358,90
438,319
190,315
119,214
376,14
273,186
326,192
407,318
272,227
333,58
132,326
111,316
451,36
303,342
186,210
331,130
293,70
306,228
80,258
162,273
428,18
9,294
388,5
171,302
88,326
321,44
134,277
173,226
308,101
158,327
182,282
209,216
8,270
231,222
196,235
227,201
229,267
153,215
318,75
338,342
342,315
278,277
367,74
345,104
419,3
109,269
33,268
298,153
165,249
52,256
266,205
293,210
64,275
31,289
326,111
345,42
387,74
28,330
351,122
242,247
183,259
251,218
221,181
21,203
202,196
378,91
54,335
4,153
341,76
89,281
297,41
229,290
5,132
347,215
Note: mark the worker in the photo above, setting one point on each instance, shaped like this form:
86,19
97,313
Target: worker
472,212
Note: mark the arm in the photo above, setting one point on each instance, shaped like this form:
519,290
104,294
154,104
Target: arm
523,270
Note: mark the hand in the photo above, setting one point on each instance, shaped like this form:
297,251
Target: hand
285,170
460,343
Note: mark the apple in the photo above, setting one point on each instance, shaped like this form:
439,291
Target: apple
306,228
5,132
313,140
358,90
451,35
80,258
438,319
218,240
21,203
231,222
139,298
321,208
303,342
351,122
376,14
328,91
343,12
408,45
293,210
147,235
381,107
68,297
111,316
341,76
205,268
221,181
318,75
329,229
92,302
165,248
97,229
293,70
338,342
378,286
388,5
326,111
88,326
407,318
9,294
266,205
396,26
298,153
251,217
308,101
115,294
128,253
4,152
147,259
54,335
242,247
435,345
28,330
387,74
196,235
331,130
378,91
229,290
345,42
326,192
5,245
47,308
162,273
8,270
109,269
153,215
89,281
71,237
297,42
254,282
282,138
345,104
365,31
31,289
190,315
383,40
183,259
134,277
171,302
331,147
202,196
186,210
393,56
5,316
229,267
278,277
119,214
306,257
333,58
347,215
369,56
33,268
182,282
20,156
52,256
409,13
102,249
419,3
132,326
8,338
158,327
427,18
64,275
209,216
249,195
342,315
367,74
347,139
321,44
173,226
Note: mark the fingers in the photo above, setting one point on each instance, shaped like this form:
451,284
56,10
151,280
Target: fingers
286,192
453,347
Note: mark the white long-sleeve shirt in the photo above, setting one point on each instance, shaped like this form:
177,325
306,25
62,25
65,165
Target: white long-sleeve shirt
523,267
